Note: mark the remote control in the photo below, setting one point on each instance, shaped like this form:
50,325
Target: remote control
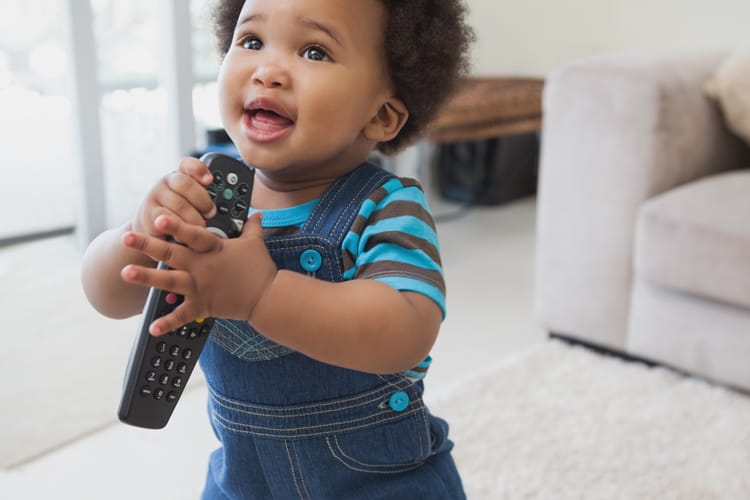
159,367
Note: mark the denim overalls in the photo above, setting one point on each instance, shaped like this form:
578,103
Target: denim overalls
292,427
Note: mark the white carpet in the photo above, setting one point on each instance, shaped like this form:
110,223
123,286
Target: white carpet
560,422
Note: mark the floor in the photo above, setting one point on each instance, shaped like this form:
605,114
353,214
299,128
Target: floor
488,258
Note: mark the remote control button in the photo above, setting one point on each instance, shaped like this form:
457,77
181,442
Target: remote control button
171,299
164,379
169,365
211,192
222,209
174,351
158,394
218,178
187,353
228,194
182,332
151,376
171,397
145,391
200,320
156,362
161,347
205,329
177,382
240,207
243,189
182,368
232,178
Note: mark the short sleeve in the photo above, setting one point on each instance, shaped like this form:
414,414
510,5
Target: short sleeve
394,240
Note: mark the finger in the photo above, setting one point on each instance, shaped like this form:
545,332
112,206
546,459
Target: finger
253,226
194,237
182,315
170,280
193,194
172,254
174,199
196,169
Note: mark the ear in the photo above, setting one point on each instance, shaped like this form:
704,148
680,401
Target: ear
387,122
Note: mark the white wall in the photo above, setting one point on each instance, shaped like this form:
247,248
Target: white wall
532,37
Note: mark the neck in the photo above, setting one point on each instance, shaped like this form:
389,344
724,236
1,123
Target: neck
269,194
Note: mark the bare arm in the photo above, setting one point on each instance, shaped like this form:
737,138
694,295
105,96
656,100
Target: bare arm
359,324
100,275
179,194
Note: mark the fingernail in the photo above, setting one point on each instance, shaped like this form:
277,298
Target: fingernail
207,178
155,330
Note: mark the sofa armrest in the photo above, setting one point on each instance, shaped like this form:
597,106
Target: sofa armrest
618,129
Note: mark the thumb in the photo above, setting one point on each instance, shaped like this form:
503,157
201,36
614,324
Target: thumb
253,227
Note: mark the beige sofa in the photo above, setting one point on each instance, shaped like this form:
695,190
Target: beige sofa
643,230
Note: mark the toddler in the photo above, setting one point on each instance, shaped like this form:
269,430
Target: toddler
330,300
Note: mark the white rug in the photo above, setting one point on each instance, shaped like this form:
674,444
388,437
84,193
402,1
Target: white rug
561,422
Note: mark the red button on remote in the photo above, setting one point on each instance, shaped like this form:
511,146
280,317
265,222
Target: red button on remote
171,299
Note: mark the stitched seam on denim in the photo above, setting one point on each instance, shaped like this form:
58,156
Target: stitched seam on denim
349,466
294,432
373,416
369,187
291,468
382,466
370,396
237,339
299,469
318,215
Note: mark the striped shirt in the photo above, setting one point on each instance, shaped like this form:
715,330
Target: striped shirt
392,240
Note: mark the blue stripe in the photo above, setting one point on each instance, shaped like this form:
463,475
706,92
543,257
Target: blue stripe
404,284
391,251
412,194
405,224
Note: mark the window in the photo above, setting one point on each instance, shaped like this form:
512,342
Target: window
35,122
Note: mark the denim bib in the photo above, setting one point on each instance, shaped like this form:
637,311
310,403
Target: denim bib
315,251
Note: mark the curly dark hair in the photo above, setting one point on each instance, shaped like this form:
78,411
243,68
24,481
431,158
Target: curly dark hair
427,54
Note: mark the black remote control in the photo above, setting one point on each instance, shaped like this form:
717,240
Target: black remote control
159,367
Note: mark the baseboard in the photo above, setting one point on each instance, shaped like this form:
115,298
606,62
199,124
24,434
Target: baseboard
606,351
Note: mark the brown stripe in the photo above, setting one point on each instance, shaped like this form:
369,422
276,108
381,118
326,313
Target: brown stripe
348,260
400,209
404,240
388,268
280,231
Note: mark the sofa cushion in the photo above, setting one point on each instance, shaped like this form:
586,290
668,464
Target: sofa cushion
696,238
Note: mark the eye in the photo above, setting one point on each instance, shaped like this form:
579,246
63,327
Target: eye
252,43
315,53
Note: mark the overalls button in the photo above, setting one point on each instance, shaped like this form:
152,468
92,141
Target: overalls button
310,260
398,401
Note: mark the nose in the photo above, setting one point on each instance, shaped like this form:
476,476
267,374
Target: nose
271,74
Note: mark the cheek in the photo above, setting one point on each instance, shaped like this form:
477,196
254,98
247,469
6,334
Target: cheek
229,97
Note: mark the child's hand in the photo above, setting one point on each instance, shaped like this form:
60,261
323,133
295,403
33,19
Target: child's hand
217,277
181,195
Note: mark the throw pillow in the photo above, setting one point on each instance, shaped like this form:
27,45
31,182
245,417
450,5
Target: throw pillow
730,87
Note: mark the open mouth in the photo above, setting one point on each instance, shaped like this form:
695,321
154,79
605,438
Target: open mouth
266,122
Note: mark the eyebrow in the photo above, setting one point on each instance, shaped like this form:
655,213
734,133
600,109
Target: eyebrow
305,21
321,27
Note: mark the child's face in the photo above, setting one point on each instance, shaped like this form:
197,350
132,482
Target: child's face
301,82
